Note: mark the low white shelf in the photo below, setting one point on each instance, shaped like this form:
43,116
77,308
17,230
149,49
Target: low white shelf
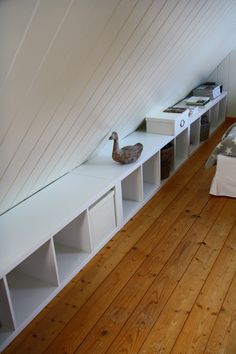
49,237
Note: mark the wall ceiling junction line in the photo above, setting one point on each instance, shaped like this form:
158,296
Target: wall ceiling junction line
72,71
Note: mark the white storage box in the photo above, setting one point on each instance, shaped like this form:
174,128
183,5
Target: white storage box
168,123
102,218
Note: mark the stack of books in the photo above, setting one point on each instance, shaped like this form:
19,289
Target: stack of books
208,89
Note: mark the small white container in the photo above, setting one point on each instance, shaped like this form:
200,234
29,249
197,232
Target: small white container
168,123
102,219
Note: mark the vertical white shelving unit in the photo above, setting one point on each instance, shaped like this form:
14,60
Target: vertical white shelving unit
32,282
132,193
72,246
48,238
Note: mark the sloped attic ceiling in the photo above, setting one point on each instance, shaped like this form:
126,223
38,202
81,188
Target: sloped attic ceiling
72,71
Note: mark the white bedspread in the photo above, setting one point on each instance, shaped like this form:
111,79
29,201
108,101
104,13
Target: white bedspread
224,181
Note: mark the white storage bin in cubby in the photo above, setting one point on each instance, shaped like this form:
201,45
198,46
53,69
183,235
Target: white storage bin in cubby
181,147
151,175
32,282
6,316
102,219
72,246
132,193
194,135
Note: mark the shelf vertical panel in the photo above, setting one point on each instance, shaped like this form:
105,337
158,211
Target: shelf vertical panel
7,322
132,192
32,282
214,114
181,147
72,246
151,175
118,205
194,139
222,110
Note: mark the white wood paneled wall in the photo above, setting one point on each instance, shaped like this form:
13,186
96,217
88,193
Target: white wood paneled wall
225,73
73,71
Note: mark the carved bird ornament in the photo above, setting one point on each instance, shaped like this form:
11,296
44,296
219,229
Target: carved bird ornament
127,154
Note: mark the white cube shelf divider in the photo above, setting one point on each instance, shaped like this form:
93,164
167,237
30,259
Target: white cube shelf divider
7,322
181,148
151,175
194,135
49,237
214,117
72,246
222,110
132,192
32,282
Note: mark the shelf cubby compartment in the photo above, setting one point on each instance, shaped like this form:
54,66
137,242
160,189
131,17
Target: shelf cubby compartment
72,247
132,193
102,219
222,110
181,148
32,282
151,176
194,136
7,325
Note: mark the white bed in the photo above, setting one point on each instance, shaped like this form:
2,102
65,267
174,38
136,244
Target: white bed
224,181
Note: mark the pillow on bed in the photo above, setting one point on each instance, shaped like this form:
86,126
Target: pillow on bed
226,147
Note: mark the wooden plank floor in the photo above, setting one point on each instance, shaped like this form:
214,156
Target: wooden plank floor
165,283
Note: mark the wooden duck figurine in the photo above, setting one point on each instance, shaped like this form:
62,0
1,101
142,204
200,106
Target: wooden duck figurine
127,154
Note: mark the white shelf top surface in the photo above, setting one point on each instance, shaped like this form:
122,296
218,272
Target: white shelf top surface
34,221
104,167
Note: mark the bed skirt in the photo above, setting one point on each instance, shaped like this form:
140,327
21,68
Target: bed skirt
224,181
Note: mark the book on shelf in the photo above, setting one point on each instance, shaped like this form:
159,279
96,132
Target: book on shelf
197,101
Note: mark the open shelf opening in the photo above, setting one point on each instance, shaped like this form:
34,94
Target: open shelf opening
72,246
32,282
151,175
132,193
